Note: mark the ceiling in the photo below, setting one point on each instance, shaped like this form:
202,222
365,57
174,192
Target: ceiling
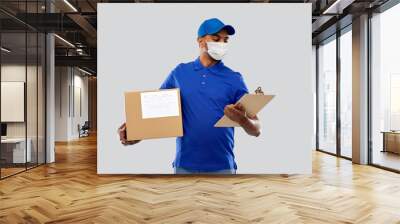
76,22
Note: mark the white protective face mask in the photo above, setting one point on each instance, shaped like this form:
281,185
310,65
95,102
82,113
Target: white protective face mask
217,50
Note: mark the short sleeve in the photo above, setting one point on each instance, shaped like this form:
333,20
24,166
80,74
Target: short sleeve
241,88
170,81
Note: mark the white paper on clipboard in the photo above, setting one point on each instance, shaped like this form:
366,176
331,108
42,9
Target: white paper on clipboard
252,103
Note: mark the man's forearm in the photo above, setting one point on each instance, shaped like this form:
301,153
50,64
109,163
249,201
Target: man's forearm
252,127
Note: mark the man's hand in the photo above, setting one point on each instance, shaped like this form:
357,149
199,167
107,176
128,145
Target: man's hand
235,112
122,136
238,114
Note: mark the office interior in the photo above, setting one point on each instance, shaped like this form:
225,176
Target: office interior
48,88
30,56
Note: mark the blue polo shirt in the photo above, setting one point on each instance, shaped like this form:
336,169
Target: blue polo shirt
205,91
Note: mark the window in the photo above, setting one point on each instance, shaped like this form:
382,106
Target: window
385,89
346,94
327,96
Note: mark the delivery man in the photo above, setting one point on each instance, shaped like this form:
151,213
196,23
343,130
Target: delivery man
209,89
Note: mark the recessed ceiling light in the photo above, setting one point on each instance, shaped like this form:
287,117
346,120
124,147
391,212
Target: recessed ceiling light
84,71
5,50
338,6
64,40
70,5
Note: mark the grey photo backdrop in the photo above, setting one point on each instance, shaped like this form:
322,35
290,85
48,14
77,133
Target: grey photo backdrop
139,44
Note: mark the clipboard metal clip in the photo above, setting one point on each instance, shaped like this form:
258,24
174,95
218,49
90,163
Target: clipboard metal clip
259,91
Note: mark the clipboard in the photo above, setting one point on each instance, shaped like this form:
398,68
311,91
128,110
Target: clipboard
253,103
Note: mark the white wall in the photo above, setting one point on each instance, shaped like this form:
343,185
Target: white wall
61,103
12,73
16,72
79,117
67,117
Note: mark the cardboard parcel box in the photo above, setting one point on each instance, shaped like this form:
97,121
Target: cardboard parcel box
153,114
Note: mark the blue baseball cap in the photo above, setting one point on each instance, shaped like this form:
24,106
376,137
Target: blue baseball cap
213,26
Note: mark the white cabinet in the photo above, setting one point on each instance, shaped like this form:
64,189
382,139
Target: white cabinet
17,147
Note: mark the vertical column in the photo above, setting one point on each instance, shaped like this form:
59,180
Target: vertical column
50,92
360,90
314,80
338,98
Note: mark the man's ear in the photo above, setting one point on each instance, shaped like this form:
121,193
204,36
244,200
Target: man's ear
201,42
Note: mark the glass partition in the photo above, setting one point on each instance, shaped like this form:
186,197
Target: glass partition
13,105
22,77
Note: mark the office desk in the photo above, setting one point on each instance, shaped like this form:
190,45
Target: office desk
13,150
391,141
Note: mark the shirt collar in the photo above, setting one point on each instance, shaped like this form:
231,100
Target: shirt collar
215,68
